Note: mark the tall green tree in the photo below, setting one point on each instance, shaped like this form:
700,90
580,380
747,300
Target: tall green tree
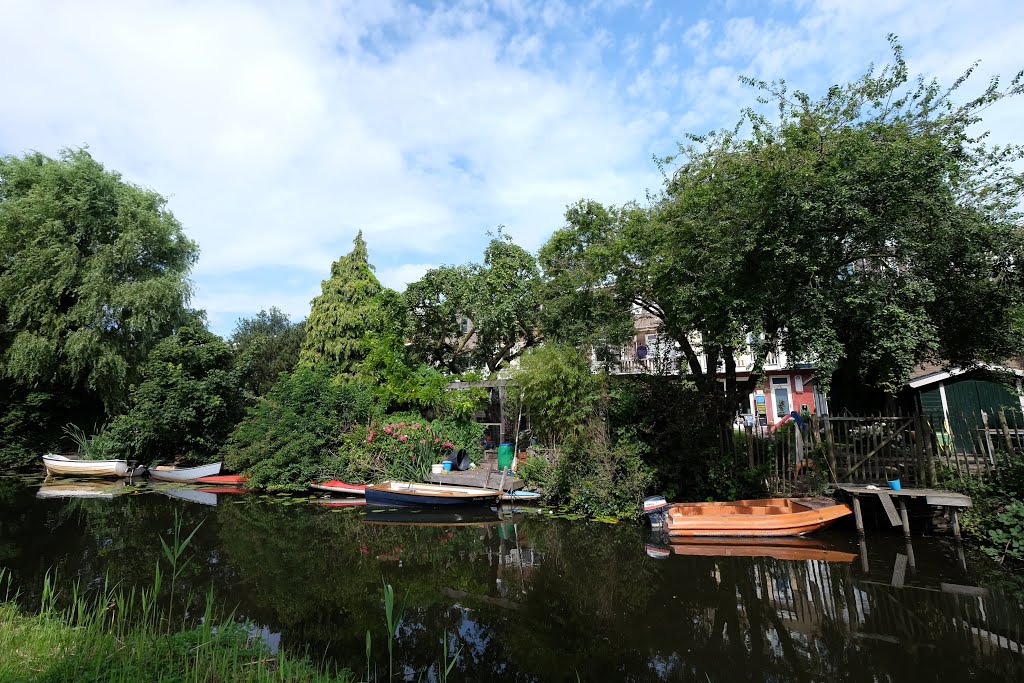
93,273
479,316
871,227
187,403
352,304
267,345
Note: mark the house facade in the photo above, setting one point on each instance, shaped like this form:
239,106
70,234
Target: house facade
783,388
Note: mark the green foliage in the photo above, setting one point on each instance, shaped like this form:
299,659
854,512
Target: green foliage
351,304
287,437
398,385
1006,537
402,446
187,404
995,519
558,389
94,272
266,345
582,307
597,476
96,447
535,472
482,316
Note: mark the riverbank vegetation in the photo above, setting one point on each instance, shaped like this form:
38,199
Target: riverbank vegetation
854,229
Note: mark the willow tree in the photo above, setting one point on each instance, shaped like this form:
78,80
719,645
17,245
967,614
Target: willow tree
352,310
93,273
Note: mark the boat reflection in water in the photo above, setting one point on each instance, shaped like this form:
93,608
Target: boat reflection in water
467,516
81,489
777,548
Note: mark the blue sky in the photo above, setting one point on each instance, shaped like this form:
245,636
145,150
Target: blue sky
279,129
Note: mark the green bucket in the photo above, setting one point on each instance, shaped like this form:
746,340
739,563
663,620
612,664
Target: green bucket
505,455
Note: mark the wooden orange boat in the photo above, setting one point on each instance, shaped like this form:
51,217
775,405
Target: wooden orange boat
766,518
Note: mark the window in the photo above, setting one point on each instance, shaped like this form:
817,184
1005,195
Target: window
781,403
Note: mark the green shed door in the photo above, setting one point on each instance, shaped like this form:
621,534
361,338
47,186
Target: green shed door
966,398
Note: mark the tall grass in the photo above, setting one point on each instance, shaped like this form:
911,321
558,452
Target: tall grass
122,635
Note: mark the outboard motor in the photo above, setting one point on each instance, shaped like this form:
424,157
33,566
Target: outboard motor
655,508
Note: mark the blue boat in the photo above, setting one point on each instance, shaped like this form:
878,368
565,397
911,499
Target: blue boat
428,495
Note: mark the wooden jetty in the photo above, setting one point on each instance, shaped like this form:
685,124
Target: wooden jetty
949,500
481,477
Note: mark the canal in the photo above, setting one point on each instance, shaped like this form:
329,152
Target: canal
527,596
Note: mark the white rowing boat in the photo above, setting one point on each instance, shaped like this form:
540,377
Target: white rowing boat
184,474
74,466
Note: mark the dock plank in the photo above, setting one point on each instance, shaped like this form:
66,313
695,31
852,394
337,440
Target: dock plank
480,477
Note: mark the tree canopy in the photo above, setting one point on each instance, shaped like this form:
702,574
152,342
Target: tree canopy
93,273
871,228
352,304
478,316
267,345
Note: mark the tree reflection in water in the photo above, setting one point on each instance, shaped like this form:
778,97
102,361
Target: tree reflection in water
530,598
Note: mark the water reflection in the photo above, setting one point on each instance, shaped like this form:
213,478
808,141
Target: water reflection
529,598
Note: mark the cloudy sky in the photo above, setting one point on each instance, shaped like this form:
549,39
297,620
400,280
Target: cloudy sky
279,129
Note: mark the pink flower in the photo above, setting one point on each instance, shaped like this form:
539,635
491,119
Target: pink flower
403,437
428,428
416,426
437,439
423,440
387,430
402,424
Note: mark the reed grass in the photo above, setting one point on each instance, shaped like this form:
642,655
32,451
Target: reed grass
121,635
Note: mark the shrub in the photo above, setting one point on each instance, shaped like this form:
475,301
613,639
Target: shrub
290,435
558,389
402,446
598,476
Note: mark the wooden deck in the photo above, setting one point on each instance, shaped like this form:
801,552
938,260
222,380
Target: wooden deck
482,477
950,500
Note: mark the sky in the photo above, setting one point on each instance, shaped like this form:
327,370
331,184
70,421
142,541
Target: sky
277,130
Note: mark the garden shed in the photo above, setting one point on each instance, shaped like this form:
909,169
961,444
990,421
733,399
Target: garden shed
964,405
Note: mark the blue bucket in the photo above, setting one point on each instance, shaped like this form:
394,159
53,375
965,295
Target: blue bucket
448,466
895,484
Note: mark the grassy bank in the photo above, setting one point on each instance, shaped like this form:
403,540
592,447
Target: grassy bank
121,636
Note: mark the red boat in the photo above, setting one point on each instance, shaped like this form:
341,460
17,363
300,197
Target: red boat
338,486
224,480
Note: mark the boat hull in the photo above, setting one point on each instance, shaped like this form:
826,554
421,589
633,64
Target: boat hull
72,467
788,548
428,495
224,480
339,487
185,474
768,518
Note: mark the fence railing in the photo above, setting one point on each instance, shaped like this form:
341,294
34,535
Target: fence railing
918,448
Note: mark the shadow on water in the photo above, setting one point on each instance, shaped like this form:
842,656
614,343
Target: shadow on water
531,598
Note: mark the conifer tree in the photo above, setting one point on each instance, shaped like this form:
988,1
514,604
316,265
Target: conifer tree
343,314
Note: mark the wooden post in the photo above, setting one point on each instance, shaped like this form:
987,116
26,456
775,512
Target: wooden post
904,517
831,444
990,456
501,414
857,516
749,429
955,522
863,547
1006,433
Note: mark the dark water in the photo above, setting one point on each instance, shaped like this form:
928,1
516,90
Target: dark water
530,598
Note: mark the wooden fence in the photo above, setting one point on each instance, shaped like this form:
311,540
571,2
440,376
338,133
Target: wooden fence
918,449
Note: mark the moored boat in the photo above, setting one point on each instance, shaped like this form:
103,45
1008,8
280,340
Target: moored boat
769,517
80,489
191,495
74,466
224,480
428,495
184,474
338,486
520,497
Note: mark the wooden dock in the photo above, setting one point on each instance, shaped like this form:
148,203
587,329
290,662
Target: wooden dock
949,500
481,477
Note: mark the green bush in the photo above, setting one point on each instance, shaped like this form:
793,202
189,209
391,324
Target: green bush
598,476
558,389
289,437
402,446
